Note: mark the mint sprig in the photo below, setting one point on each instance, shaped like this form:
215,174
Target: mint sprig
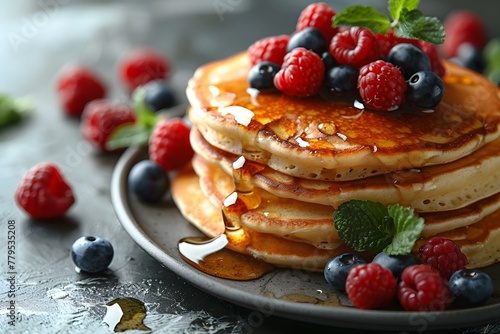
406,20
14,109
136,134
368,226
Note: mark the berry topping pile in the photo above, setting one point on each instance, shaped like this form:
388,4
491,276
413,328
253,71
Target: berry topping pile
361,60
416,283
431,278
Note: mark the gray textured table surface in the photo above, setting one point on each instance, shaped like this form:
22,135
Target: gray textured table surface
37,39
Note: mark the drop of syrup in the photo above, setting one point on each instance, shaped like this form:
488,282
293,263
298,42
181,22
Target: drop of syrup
125,313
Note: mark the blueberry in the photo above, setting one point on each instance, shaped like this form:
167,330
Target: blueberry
261,76
409,59
470,57
92,254
148,181
395,263
159,95
336,269
425,89
340,80
471,287
308,38
328,60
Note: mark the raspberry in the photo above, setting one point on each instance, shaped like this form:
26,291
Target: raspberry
356,47
370,286
43,192
423,289
301,74
432,52
141,66
443,255
271,49
381,86
77,86
387,41
169,144
461,27
101,117
319,16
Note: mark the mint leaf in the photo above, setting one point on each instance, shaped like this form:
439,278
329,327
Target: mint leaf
363,16
413,24
128,135
13,110
397,6
364,225
408,228
145,115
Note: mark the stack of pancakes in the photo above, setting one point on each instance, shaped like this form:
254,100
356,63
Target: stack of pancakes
270,169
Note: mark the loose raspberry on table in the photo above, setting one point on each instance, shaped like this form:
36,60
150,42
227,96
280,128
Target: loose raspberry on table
271,49
443,255
370,286
77,86
101,117
356,47
141,66
381,86
43,192
423,289
301,74
319,16
169,144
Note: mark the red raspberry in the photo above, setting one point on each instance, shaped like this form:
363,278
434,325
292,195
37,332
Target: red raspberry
43,192
271,49
370,286
77,86
356,47
169,144
101,117
443,255
423,289
432,52
461,27
381,86
141,66
387,41
301,74
319,16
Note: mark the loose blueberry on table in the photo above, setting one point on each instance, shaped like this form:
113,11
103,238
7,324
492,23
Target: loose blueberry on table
92,254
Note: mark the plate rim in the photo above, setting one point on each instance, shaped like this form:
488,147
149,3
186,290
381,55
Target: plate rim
340,316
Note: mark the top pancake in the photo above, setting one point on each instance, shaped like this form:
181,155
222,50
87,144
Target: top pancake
316,139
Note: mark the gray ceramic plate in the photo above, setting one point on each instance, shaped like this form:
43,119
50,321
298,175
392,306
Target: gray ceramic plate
158,228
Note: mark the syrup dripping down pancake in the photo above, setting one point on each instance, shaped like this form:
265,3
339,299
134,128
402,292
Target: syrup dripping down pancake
316,139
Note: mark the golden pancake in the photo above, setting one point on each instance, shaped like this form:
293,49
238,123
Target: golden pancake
316,139
428,189
313,223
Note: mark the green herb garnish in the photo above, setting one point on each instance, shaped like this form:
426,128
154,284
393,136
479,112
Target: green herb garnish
368,226
139,132
405,19
13,110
